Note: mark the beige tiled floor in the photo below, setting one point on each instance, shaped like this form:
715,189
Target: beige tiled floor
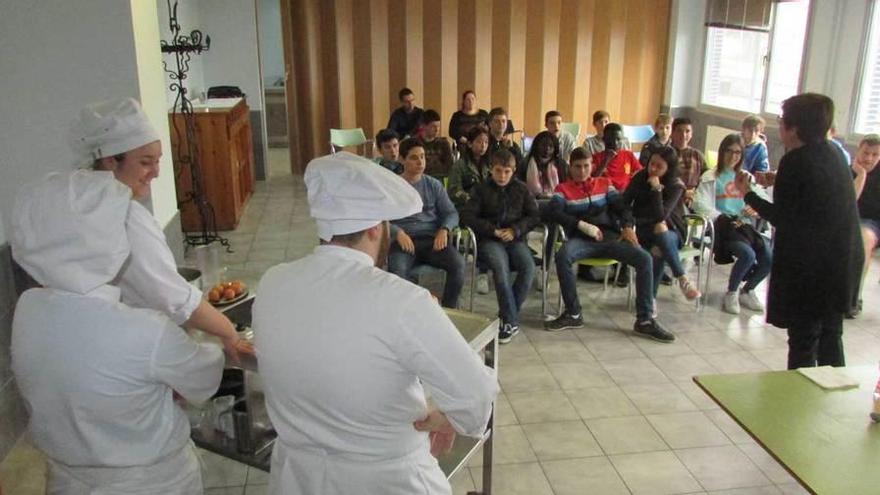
595,410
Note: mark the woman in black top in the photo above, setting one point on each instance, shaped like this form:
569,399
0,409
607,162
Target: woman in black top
466,118
656,196
817,252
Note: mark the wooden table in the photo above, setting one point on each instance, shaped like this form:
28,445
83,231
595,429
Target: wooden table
825,439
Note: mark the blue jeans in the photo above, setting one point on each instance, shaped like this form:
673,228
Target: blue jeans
449,260
752,266
578,248
503,258
669,244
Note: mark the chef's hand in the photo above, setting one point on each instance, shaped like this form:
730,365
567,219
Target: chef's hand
405,242
441,239
232,346
749,211
628,234
440,432
768,179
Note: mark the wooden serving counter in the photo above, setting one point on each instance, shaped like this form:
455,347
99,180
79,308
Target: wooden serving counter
226,161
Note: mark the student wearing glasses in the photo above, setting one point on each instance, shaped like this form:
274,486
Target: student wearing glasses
736,237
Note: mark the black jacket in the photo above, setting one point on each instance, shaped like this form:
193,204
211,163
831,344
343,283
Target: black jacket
817,252
650,207
493,207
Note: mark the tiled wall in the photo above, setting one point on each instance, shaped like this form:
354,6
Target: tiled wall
13,417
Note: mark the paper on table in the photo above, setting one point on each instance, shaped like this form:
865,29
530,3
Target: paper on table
829,378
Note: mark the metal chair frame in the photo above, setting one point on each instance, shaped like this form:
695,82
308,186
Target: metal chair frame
592,262
470,248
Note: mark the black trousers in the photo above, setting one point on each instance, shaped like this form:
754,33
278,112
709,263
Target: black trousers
816,341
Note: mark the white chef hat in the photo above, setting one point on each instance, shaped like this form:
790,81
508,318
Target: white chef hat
68,229
108,128
348,193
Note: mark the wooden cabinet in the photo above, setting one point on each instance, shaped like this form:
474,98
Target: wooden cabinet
226,162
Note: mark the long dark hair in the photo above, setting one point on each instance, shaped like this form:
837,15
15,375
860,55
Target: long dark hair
730,140
472,135
545,135
668,155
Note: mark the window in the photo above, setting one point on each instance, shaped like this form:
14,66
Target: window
741,71
868,112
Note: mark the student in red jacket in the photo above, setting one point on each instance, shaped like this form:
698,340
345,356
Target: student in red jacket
615,162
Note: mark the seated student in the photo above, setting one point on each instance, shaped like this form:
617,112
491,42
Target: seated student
693,163
832,136
424,237
662,138
598,225
543,169
502,212
467,117
406,118
98,376
500,137
755,157
595,143
553,123
614,161
867,184
389,145
735,234
471,169
438,152
656,196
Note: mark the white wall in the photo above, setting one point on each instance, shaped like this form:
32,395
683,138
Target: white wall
271,44
834,47
151,83
233,58
189,20
685,55
50,67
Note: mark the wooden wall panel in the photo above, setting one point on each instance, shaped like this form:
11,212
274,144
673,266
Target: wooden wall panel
348,59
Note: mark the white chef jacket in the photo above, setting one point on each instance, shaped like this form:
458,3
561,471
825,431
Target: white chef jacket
344,349
97,377
149,278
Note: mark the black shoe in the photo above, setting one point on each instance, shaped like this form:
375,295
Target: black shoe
666,279
652,330
506,332
855,311
563,322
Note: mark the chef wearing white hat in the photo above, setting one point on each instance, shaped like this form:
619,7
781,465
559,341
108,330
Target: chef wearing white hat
116,135
346,350
98,376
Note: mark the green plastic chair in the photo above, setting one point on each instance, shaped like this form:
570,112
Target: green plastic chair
593,262
573,128
343,138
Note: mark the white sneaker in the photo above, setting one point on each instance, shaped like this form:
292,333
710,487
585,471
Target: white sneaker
730,303
751,301
483,283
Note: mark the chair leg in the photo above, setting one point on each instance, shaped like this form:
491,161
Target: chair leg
629,287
